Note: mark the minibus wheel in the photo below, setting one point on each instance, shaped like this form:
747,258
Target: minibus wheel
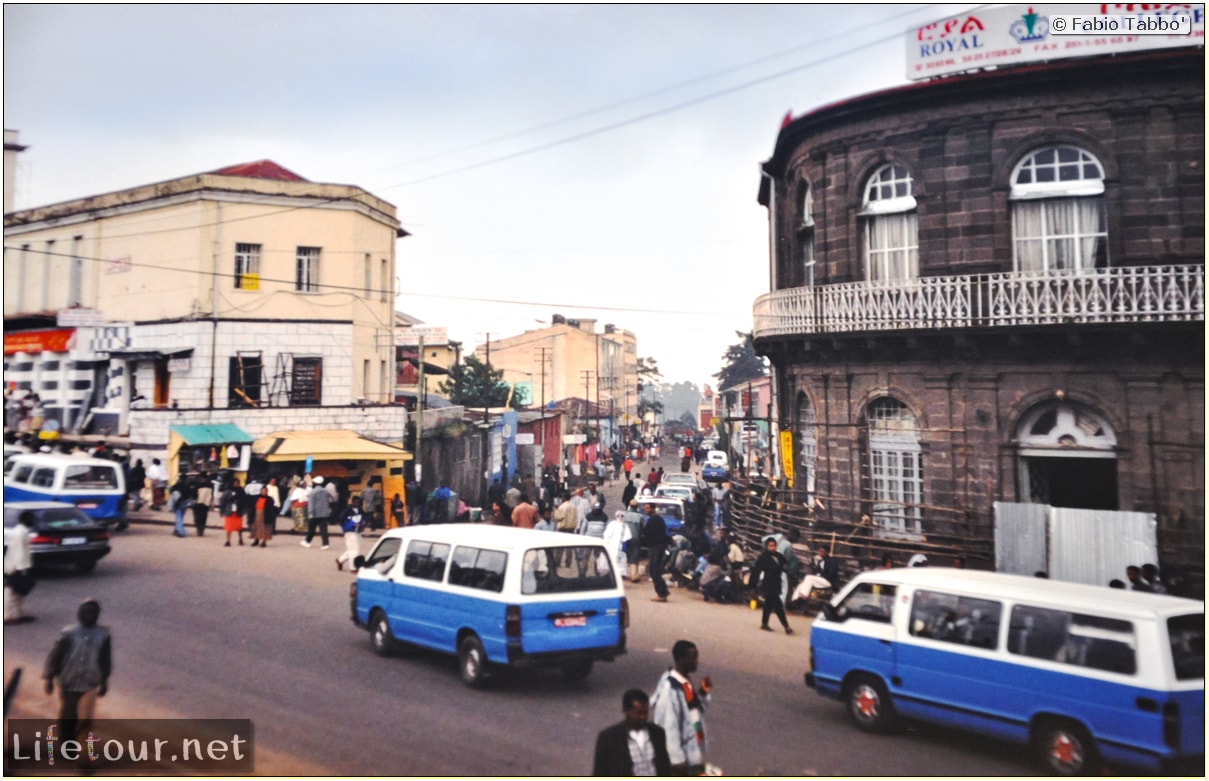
379,634
869,704
472,661
1066,748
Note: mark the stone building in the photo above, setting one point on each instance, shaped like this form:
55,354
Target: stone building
988,292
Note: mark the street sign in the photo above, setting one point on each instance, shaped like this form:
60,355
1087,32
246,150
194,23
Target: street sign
80,318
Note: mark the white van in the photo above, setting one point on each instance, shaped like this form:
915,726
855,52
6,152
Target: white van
1082,673
95,485
494,596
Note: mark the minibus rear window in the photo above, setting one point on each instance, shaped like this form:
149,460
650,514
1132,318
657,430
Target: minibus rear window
1187,634
563,570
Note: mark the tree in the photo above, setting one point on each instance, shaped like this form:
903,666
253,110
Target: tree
740,363
475,384
648,372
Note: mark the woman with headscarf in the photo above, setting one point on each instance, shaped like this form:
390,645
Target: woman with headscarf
616,534
262,518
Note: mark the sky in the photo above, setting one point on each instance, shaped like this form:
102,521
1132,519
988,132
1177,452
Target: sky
593,161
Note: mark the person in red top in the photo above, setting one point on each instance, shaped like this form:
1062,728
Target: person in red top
627,466
652,480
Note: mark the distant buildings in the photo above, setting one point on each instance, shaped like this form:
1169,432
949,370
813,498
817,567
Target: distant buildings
987,305
570,359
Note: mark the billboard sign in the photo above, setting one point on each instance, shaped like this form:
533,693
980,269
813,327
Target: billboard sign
1017,34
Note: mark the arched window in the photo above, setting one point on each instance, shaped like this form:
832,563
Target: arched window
808,444
891,227
805,212
1058,218
895,469
1068,457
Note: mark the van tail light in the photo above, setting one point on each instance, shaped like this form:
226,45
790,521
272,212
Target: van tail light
1171,724
512,621
625,613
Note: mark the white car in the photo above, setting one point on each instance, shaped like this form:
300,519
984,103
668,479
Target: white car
682,492
681,478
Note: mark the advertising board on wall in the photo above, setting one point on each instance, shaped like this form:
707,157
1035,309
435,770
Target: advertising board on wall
1016,34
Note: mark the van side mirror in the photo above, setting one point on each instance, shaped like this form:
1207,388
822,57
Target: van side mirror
359,562
832,613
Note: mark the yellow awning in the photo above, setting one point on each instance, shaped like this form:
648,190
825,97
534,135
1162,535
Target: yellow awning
325,446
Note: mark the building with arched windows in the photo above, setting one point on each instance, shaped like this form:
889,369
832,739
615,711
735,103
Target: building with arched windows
987,305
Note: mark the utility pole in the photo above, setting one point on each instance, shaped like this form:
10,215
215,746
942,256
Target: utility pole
419,454
486,429
543,407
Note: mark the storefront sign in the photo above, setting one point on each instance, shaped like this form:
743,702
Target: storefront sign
1015,34
56,341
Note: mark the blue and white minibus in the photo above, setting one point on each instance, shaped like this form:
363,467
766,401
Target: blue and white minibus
95,485
493,595
1081,673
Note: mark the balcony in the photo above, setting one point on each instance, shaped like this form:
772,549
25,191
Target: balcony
1113,295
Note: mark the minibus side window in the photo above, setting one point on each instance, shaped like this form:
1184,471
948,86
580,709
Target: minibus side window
870,601
956,619
21,474
1073,638
426,560
1187,635
476,568
384,556
90,477
44,478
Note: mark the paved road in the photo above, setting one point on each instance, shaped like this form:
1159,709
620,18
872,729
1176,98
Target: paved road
206,631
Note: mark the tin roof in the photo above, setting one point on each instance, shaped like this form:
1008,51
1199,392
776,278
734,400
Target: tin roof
260,169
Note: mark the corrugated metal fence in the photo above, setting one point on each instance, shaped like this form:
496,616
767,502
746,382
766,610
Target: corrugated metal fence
1079,546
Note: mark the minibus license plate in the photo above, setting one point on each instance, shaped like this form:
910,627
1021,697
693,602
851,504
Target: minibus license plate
74,540
571,621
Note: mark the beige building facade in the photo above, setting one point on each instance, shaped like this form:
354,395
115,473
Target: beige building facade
245,288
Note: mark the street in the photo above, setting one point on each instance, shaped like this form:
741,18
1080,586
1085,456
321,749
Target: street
204,631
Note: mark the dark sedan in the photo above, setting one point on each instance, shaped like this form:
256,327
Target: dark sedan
62,534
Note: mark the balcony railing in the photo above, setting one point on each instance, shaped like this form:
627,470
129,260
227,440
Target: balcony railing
1114,295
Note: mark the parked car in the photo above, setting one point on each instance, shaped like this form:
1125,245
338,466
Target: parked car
682,492
716,467
670,508
62,534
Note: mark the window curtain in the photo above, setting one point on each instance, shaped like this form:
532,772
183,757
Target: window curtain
893,247
1065,234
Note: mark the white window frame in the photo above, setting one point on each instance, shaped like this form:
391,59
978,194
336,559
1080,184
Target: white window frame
1059,222
891,226
895,470
808,442
247,263
306,273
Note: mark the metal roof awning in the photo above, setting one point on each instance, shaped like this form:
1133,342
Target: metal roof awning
325,446
150,355
212,434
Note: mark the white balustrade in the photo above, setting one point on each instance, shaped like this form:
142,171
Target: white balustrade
1113,295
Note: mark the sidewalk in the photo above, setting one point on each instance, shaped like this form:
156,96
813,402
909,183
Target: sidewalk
149,517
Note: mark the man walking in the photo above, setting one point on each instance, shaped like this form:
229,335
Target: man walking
319,513
654,537
82,661
679,708
633,747
18,569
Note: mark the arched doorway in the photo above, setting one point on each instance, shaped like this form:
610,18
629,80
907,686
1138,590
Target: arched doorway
1067,457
